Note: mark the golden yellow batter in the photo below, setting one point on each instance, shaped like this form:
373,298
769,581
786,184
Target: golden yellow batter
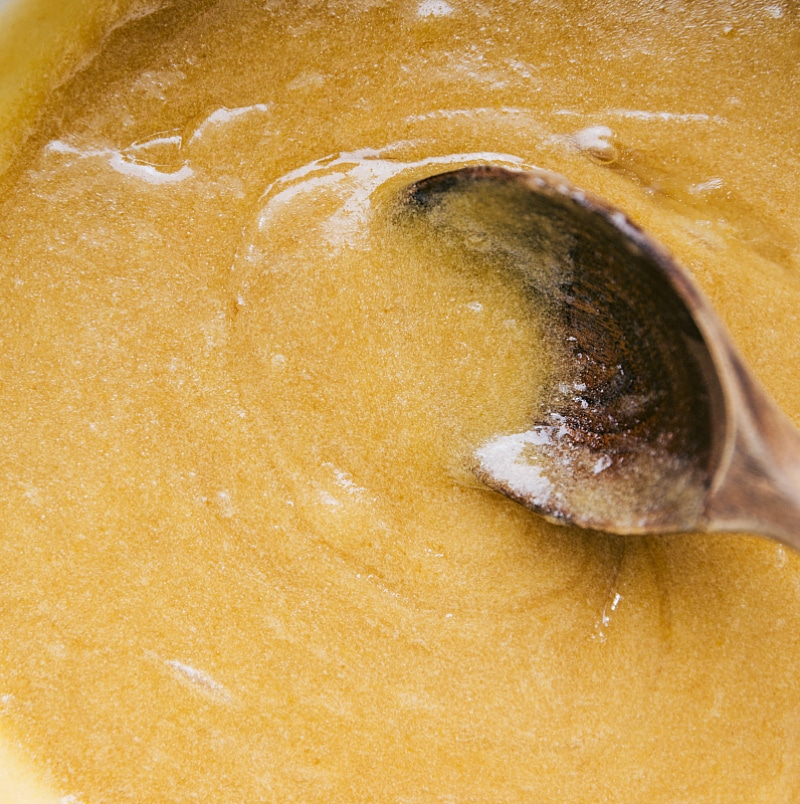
241,557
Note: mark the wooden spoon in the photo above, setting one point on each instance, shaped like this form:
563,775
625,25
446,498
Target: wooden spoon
653,423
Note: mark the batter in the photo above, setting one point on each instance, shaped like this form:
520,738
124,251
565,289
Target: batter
242,558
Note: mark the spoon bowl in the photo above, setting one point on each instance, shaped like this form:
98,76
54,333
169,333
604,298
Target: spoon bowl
653,424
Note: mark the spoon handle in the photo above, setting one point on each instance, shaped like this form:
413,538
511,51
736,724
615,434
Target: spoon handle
757,488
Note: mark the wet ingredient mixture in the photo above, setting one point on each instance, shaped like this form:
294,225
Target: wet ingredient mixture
243,558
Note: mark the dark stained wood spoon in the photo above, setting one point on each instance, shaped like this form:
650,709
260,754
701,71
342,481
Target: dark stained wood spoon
653,423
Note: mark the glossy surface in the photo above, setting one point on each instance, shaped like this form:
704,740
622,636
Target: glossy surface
242,557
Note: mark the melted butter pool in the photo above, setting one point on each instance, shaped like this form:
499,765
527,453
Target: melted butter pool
242,556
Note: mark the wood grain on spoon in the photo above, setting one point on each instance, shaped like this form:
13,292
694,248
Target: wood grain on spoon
655,424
